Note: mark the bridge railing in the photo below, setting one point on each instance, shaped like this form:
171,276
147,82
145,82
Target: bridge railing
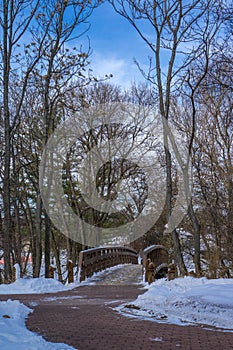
158,256
98,259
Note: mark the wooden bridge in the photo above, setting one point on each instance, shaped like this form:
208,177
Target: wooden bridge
86,317
98,259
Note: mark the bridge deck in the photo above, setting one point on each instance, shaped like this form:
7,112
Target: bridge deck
127,275
84,318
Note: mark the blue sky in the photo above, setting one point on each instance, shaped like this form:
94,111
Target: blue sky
115,44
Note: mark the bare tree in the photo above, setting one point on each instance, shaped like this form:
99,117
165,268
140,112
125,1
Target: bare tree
175,34
214,163
45,58
60,68
12,32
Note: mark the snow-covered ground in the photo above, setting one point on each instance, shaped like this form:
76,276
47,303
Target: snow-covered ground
48,285
35,285
14,334
181,301
186,301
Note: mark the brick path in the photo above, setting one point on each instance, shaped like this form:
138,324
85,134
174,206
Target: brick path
84,319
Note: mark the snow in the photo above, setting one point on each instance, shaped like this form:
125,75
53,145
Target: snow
186,301
17,271
34,286
14,334
49,285
183,301
151,247
156,339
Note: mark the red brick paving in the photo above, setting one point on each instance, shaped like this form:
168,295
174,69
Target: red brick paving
87,321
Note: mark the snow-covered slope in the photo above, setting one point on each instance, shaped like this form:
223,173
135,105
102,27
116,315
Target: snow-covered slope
187,300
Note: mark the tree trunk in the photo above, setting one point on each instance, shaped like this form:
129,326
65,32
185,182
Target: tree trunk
47,244
17,234
197,234
7,151
57,256
37,247
169,196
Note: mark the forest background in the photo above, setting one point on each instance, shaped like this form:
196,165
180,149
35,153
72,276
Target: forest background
46,76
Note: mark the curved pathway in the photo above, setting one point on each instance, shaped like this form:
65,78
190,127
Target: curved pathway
85,319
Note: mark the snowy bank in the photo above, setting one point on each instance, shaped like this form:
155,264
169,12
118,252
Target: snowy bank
13,331
34,286
49,285
186,301
15,335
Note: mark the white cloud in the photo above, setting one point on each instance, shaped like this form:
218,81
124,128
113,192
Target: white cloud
124,71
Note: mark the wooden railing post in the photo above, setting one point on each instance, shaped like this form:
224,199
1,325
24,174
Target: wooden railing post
151,272
13,274
51,271
158,255
70,268
147,270
172,272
